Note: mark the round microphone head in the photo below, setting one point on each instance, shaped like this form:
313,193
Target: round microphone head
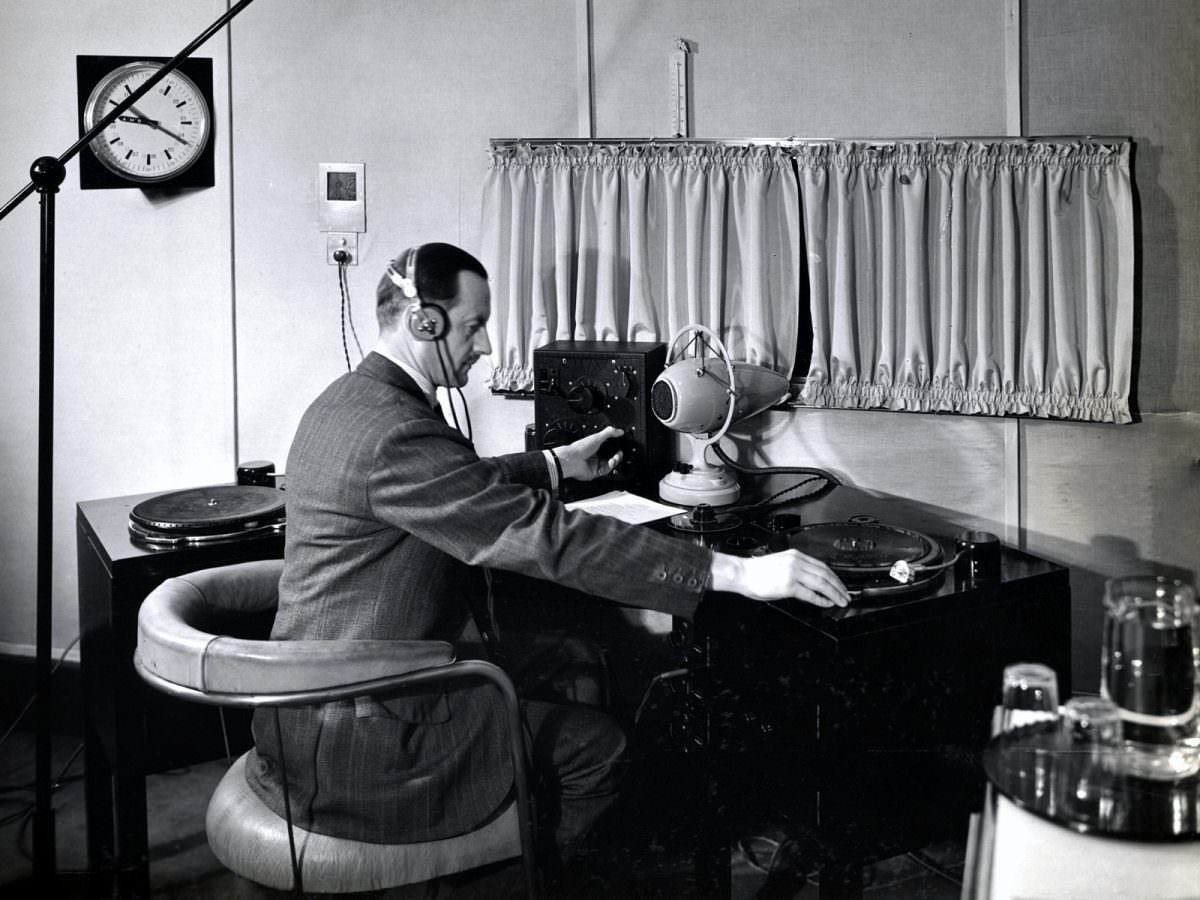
691,396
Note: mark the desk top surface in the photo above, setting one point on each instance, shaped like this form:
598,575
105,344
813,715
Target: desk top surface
106,524
943,595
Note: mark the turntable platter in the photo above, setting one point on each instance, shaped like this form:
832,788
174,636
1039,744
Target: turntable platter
861,549
207,513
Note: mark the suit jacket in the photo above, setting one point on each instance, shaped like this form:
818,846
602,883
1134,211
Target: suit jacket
388,511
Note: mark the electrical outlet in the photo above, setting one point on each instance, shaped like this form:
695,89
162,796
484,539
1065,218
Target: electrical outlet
341,240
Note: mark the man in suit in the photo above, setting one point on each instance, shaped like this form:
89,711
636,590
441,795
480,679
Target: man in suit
391,515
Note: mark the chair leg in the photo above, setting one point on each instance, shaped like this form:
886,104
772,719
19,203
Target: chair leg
297,879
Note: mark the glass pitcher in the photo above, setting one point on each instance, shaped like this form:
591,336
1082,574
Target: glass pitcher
1148,669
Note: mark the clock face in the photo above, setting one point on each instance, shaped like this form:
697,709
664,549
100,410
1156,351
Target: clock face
158,138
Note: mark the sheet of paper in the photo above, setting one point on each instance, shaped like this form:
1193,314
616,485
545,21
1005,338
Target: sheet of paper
625,506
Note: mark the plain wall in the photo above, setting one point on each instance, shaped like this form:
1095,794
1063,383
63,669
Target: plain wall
194,330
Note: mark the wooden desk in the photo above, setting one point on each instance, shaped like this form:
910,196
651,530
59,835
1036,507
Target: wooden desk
865,724
115,575
861,729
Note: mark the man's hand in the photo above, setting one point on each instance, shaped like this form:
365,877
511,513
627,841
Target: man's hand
776,576
582,461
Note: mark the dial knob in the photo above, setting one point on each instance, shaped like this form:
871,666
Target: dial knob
584,398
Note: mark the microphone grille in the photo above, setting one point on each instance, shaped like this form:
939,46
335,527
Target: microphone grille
663,401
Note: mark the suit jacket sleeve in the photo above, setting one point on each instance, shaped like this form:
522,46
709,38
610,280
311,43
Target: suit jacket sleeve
427,480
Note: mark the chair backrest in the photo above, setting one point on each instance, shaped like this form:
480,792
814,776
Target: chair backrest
178,648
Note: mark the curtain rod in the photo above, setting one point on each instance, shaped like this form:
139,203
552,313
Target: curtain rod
800,142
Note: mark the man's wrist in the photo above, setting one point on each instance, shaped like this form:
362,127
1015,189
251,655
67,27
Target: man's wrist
556,474
726,573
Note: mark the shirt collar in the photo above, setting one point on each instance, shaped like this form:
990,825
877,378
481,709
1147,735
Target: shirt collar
416,375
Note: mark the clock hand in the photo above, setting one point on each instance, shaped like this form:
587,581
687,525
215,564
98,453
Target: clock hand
167,131
144,119
153,123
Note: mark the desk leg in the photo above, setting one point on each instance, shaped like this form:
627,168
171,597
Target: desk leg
99,693
133,855
97,789
114,780
713,859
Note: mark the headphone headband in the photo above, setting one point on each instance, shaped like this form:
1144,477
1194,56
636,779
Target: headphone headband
426,321
408,281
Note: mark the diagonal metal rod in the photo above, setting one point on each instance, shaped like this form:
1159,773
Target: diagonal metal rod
131,99
46,176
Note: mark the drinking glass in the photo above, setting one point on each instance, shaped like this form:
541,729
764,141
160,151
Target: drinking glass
1030,695
1090,736
1148,669
1091,722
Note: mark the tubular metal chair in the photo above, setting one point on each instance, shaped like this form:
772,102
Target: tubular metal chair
178,654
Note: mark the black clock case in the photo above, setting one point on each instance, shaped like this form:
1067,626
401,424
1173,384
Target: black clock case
93,175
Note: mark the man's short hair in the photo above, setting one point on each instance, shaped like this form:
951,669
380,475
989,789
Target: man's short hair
436,267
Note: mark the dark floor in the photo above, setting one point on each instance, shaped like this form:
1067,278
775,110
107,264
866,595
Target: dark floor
629,863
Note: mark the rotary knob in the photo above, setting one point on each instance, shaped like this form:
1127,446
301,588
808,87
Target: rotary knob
584,398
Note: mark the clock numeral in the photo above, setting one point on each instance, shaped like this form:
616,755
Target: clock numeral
167,153
166,90
129,154
128,89
181,103
116,140
185,121
149,159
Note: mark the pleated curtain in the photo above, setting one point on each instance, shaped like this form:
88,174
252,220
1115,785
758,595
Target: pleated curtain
981,277
970,277
613,241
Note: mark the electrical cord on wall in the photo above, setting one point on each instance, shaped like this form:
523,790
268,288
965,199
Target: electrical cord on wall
342,258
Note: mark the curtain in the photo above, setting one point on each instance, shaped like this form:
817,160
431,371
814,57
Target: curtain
970,277
614,241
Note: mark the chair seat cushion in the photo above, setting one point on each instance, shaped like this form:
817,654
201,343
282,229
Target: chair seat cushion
251,840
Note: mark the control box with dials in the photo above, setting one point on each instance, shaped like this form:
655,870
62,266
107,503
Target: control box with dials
584,386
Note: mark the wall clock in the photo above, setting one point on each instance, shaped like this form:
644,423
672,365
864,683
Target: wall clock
163,140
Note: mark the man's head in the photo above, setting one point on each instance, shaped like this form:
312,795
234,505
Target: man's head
423,285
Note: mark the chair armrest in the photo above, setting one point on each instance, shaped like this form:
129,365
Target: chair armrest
237,666
174,647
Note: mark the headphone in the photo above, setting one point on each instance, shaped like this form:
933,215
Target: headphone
426,321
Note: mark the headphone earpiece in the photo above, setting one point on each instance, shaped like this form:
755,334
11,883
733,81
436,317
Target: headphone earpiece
426,321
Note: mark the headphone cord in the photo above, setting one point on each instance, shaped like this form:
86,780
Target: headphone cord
468,434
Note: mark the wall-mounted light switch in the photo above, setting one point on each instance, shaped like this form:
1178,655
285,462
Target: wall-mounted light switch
341,196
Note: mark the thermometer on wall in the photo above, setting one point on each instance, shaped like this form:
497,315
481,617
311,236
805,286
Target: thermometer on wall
680,76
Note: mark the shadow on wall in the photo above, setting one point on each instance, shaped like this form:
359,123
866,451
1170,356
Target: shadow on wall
1087,599
1155,277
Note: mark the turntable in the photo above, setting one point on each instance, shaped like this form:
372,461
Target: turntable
874,559
208,515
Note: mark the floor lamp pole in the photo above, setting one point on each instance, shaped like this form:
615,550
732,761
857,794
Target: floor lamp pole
47,173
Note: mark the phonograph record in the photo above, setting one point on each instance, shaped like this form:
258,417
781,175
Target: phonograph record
207,515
